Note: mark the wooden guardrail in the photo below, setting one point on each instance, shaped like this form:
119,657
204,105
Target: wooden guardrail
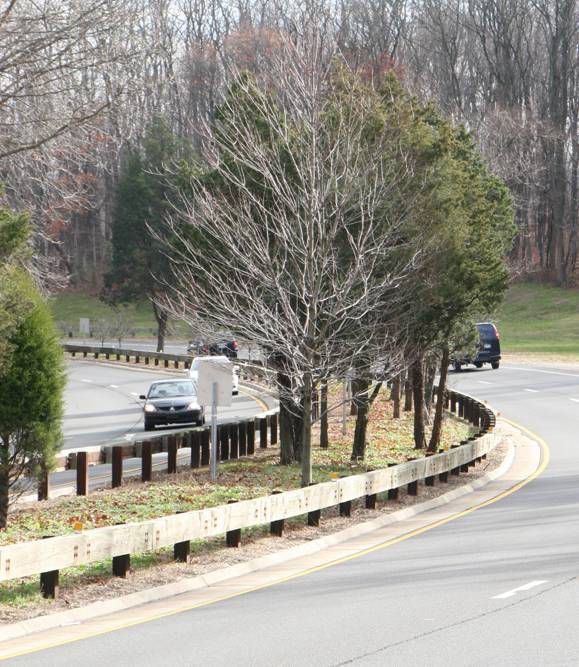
46,557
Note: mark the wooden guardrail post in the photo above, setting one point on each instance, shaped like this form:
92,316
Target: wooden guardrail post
146,461
242,438
205,437
273,429
429,481
223,433
263,433
121,565
276,527
166,363
393,493
156,360
49,581
443,476
314,516
172,455
81,474
137,359
346,506
195,444
412,486
117,467
234,440
233,537
181,550
251,437
453,402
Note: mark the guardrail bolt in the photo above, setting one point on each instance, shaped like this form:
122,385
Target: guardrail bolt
276,527
172,455
121,565
117,467
146,461
81,474
233,537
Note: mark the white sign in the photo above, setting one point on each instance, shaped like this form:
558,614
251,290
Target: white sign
211,373
84,325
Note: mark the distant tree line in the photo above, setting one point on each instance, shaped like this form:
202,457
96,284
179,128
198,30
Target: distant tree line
80,91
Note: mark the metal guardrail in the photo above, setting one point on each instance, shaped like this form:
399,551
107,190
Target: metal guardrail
47,557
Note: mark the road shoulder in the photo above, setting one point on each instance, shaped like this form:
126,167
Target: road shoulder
526,457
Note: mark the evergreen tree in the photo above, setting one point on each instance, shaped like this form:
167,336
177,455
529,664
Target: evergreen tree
31,386
139,262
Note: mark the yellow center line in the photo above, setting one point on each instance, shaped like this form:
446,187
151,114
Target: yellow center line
545,458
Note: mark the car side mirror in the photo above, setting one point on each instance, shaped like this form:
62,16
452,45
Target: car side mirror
143,397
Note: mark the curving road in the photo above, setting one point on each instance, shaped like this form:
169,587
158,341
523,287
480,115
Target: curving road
497,586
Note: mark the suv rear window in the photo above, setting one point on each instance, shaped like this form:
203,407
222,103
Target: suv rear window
487,330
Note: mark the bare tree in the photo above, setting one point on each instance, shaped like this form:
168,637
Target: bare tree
302,250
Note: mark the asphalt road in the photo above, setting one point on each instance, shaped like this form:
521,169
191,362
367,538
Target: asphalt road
495,587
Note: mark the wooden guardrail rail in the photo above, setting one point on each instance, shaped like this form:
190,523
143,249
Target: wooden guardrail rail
46,557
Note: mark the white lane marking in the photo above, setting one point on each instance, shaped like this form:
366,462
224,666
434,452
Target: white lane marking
114,386
524,587
537,370
83,380
575,400
134,393
484,382
533,391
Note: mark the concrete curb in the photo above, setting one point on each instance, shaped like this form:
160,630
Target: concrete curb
96,609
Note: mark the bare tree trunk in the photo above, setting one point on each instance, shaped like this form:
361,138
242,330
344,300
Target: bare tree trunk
286,430
324,441
408,392
395,397
418,396
363,401
162,318
307,431
437,426
4,480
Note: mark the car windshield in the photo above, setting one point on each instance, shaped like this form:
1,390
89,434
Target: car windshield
172,389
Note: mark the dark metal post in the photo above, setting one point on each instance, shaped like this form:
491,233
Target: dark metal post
81,474
146,461
172,455
117,467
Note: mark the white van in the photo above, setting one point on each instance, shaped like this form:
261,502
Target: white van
194,369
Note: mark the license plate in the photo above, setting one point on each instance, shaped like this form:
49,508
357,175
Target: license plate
487,346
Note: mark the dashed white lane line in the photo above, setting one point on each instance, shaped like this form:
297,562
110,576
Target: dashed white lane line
114,386
83,380
524,587
134,393
533,391
484,382
575,400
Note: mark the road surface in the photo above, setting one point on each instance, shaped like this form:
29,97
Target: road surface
495,587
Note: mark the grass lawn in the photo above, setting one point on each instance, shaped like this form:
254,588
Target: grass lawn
68,307
540,319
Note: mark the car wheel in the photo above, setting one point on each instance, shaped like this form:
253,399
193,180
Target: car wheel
236,393
495,365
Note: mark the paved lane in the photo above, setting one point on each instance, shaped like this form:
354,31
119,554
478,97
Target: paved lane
497,586
102,403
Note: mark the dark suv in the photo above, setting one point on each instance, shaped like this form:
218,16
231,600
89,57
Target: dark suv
489,348
226,347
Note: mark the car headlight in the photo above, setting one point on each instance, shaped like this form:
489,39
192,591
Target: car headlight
149,407
193,406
